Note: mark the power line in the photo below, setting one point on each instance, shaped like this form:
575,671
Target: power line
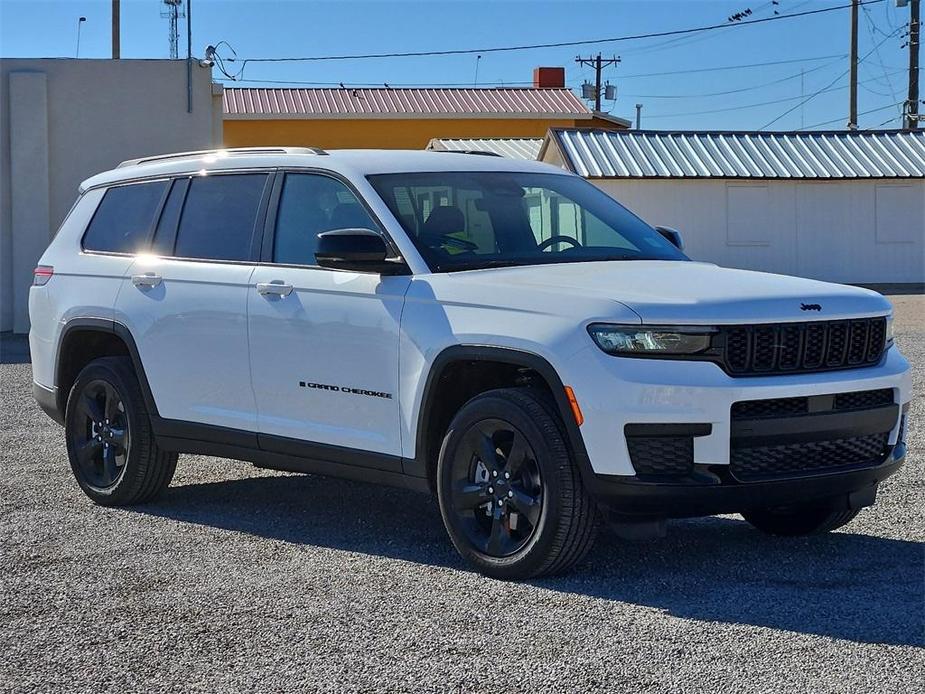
577,80
558,44
863,113
826,90
828,86
732,91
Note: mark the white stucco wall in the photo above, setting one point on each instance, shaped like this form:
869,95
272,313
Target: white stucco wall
866,231
63,120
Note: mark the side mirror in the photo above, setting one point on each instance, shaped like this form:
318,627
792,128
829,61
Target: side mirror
673,236
360,250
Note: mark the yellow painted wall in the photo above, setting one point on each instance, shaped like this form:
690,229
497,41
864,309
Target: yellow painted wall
380,133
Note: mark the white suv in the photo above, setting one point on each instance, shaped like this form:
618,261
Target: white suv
499,332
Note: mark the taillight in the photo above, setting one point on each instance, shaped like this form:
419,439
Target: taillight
41,275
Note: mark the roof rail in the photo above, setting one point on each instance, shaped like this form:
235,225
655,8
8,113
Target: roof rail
480,152
229,151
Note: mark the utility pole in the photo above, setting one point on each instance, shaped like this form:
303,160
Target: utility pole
853,81
598,64
189,56
116,38
912,102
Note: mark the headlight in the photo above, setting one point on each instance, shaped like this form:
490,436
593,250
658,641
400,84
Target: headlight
889,332
643,340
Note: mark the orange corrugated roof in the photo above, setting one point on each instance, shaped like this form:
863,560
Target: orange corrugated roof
246,102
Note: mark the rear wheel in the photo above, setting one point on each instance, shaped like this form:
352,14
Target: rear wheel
511,498
794,522
109,440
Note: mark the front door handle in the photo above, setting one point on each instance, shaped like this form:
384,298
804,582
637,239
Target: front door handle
274,288
148,279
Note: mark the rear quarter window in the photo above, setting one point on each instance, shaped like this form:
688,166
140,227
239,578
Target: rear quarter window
125,217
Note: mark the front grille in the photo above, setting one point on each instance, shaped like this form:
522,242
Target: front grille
790,407
801,347
661,456
750,464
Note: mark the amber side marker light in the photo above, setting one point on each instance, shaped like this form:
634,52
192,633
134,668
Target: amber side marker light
573,403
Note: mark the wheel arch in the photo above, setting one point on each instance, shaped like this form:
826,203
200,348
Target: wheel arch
431,415
85,339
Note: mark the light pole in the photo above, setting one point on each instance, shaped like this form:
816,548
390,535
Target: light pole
80,22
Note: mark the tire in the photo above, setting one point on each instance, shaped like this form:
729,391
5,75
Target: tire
797,522
110,444
545,522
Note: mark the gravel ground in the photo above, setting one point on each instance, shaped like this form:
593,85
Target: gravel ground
241,579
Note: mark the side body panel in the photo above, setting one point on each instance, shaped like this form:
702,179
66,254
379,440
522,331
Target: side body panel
325,357
191,332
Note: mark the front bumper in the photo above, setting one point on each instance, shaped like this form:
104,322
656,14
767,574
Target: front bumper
709,491
614,392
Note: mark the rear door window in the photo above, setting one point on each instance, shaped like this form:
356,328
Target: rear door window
124,219
219,217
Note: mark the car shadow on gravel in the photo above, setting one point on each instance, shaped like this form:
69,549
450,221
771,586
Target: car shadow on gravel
844,585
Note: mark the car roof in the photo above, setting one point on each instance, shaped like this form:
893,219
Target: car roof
352,163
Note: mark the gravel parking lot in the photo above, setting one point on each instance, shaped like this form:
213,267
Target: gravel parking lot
242,579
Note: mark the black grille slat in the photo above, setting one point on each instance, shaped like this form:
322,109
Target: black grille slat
790,343
837,344
802,347
737,352
875,341
857,342
764,341
814,346
748,464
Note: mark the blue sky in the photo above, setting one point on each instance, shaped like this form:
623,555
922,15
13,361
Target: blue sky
663,74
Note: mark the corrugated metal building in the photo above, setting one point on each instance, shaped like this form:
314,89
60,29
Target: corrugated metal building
403,118
526,148
838,206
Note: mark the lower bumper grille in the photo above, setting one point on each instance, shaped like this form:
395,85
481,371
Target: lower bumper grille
661,456
787,460
792,437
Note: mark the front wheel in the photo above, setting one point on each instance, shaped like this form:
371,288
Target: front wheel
511,498
109,440
796,522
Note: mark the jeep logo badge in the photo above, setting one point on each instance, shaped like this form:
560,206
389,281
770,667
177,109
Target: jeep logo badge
810,307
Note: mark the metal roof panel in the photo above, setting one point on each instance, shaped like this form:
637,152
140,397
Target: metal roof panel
784,155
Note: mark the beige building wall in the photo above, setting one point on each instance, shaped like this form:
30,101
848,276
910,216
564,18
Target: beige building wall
63,120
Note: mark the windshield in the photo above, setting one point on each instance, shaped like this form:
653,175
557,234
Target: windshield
473,220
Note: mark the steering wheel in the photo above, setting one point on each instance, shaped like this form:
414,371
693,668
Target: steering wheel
432,240
552,240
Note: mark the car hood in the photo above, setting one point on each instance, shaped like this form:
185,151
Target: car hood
680,292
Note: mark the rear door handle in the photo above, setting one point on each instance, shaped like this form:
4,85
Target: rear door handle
148,279
274,288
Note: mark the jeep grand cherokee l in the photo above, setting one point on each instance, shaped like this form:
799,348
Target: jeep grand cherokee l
498,332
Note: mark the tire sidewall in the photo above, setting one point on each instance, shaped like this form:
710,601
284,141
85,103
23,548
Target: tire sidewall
102,370
531,556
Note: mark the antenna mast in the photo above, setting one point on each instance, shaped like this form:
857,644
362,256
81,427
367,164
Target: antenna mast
173,11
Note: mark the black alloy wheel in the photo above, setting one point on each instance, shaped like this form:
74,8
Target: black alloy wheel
100,437
111,446
497,488
510,493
